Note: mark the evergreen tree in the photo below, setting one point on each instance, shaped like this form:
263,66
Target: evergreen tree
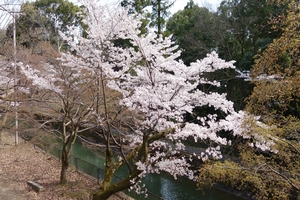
156,18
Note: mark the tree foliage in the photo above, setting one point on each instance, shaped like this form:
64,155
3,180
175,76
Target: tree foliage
154,19
249,28
258,173
275,99
31,27
61,14
196,30
276,72
43,20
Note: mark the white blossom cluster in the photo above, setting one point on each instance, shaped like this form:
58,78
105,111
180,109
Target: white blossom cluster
6,82
263,140
42,80
246,125
9,84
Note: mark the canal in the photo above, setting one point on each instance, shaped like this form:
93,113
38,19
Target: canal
162,185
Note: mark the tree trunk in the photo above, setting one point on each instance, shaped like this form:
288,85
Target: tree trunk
102,195
2,127
64,166
105,193
1,137
158,18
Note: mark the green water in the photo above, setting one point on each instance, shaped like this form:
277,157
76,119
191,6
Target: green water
162,185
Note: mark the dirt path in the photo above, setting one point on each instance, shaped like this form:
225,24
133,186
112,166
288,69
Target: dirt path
8,192
22,163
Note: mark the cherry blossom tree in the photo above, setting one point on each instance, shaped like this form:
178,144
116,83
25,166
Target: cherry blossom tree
156,89
11,93
134,90
6,94
60,103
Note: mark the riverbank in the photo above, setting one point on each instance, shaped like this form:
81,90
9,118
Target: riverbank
23,163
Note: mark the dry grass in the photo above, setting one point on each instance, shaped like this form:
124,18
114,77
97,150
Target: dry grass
22,163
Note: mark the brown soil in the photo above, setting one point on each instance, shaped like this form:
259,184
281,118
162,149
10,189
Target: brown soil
23,163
